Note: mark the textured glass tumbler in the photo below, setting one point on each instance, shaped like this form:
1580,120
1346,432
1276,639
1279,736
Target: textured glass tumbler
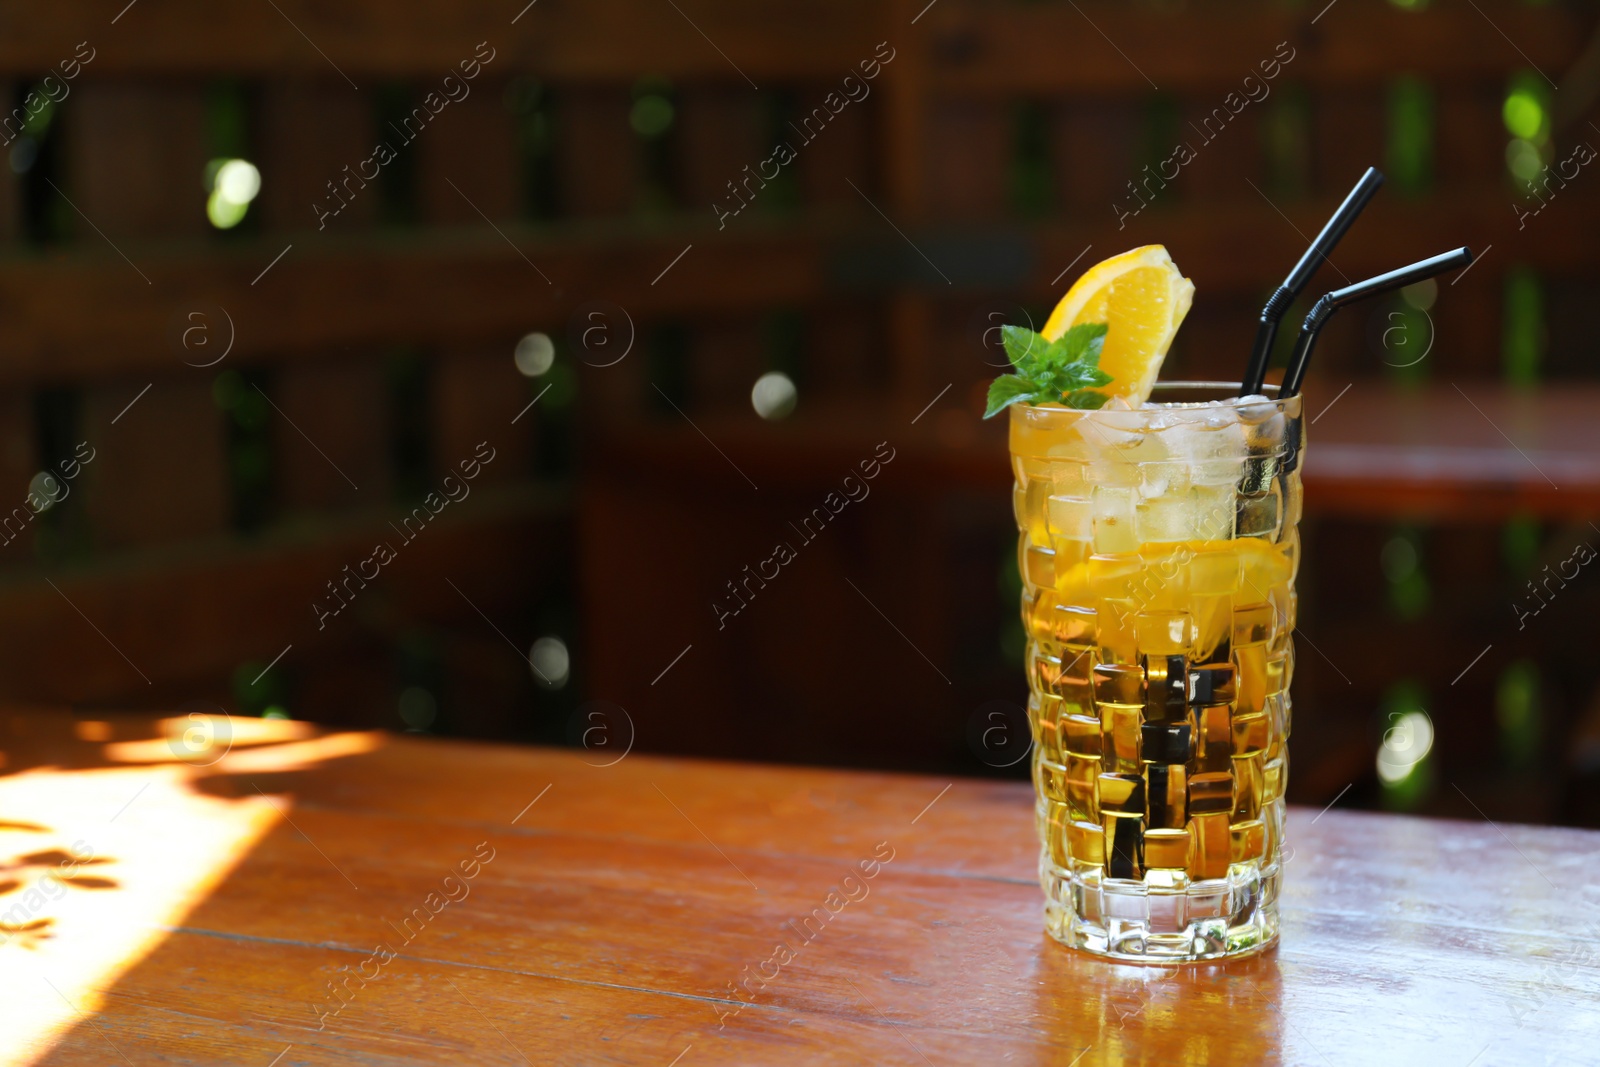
1158,555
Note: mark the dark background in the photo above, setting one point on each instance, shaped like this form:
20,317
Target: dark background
295,390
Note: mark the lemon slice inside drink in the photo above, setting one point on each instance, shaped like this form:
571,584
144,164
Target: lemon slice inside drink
1142,298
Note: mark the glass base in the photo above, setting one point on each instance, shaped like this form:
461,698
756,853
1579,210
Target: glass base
1132,921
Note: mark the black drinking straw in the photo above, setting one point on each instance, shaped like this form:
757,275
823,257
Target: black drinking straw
1382,283
1256,370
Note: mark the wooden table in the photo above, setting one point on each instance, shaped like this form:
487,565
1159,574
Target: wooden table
611,911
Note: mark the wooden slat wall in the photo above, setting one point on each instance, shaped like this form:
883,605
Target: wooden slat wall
311,128
980,47
597,154
129,148
10,194
340,403
929,159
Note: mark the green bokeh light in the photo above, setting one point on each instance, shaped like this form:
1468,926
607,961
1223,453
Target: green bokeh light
1524,159
1525,114
223,213
651,116
1517,710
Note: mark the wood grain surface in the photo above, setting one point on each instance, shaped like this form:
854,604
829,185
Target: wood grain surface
612,911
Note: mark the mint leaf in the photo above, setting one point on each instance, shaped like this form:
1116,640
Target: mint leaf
1023,347
1086,399
1082,374
1007,390
1082,343
1064,371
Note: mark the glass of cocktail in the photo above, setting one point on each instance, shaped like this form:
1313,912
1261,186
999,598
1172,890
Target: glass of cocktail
1158,551
1159,547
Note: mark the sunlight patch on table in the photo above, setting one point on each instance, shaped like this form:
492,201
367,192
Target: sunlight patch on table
102,863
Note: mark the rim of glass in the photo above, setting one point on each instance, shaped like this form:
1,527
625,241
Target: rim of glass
1230,397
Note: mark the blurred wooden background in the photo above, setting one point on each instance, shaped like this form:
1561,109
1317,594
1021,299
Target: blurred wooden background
571,194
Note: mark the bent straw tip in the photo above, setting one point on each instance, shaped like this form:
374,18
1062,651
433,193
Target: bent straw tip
1300,274
1331,302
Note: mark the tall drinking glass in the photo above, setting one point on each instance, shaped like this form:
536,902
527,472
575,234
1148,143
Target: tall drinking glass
1158,554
